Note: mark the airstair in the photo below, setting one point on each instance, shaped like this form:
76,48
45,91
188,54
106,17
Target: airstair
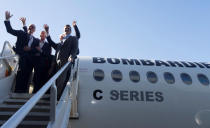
40,110
38,117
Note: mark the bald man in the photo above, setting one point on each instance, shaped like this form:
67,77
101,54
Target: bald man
25,47
43,58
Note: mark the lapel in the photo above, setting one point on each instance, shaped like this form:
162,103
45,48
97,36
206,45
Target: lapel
43,47
67,41
28,38
64,46
32,44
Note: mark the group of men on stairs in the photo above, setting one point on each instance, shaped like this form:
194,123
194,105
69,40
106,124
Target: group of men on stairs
35,54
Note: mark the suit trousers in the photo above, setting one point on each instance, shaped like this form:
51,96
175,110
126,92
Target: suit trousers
22,78
41,70
24,73
62,80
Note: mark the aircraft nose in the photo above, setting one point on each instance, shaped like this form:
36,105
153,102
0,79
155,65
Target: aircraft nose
202,119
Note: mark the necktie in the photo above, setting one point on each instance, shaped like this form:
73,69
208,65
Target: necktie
30,41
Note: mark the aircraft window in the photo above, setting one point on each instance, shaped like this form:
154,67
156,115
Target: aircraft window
98,75
186,78
203,79
169,78
152,77
134,76
116,75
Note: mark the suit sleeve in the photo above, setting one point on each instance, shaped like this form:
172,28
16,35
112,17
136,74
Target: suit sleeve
25,29
74,48
52,43
78,36
10,29
77,31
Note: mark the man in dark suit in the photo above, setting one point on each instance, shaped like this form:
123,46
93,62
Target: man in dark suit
65,50
25,47
43,57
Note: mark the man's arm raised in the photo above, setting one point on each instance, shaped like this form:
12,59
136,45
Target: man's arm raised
74,24
23,20
8,25
50,41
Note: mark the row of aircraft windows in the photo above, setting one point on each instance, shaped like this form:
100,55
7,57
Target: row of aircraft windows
117,76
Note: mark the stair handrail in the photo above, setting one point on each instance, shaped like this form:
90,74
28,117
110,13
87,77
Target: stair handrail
16,118
7,57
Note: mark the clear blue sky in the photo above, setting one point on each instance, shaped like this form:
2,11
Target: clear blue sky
144,29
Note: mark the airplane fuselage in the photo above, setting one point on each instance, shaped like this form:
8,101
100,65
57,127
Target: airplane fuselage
125,93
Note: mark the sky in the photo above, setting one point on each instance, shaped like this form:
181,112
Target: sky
140,29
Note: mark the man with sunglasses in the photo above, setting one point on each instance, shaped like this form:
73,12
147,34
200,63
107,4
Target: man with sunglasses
25,48
65,50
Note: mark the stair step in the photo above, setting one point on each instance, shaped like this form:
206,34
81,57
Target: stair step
14,108
26,96
38,117
30,124
23,101
35,116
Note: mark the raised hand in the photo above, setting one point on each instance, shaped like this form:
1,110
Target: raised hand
61,37
8,15
74,23
70,59
23,19
46,28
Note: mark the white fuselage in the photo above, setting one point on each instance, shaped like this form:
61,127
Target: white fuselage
128,104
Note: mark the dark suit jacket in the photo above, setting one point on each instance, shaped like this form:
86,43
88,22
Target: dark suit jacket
33,50
22,40
45,56
46,50
63,52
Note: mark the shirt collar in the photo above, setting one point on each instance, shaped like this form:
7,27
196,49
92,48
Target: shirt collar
67,36
42,41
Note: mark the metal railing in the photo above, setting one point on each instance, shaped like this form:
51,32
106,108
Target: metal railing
7,57
16,119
